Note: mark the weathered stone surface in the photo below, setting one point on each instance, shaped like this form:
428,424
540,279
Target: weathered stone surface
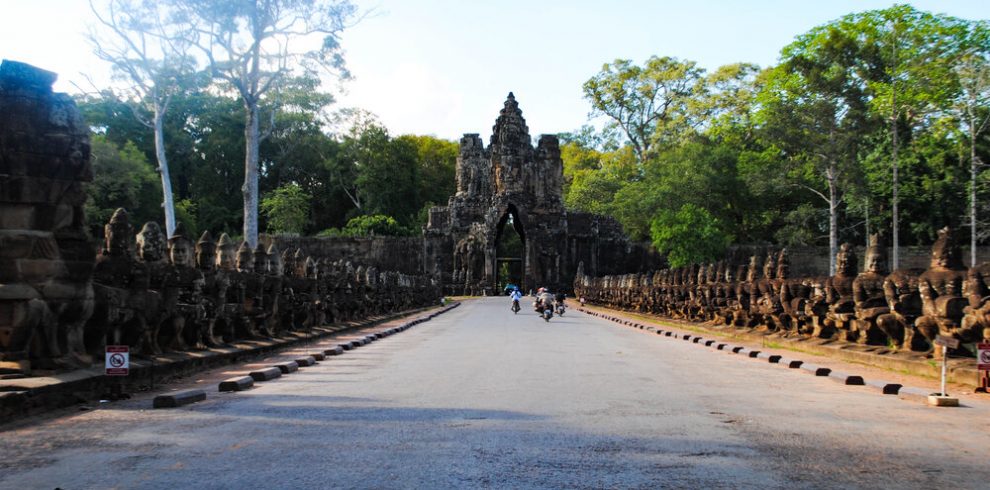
178,399
512,178
336,351
239,383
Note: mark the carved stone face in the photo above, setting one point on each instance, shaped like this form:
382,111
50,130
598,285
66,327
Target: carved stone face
206,255
245,258
945,253
151,243
845,261
180,252
261,261
117,234
874,262
227,258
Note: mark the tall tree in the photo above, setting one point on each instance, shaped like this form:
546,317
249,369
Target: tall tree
648,103
814,109
973,110
255,45
143,45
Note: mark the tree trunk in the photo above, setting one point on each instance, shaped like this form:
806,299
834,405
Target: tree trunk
972,191
833,216
896,238
168,202
250,189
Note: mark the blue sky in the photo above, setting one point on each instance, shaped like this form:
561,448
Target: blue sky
444,67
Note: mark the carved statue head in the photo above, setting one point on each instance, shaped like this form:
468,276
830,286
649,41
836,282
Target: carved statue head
245,258
261,260
226,253
783,264
727,274
770,266
753,270
180,248
206,252
876,256
117,234
151,243
311,268
945,251
713,273
274,261
845,260
299,261
288,262
702,274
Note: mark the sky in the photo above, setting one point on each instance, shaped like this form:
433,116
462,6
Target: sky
444,67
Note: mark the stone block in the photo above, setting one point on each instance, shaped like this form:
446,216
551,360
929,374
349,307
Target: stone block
336,351
178,399
822,371
774,359
709,343
795,364
319,356
346,346
721,346
287,367
266,374
754,353
737,349
305,361
239,383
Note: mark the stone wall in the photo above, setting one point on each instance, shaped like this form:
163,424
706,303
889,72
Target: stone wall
401,254
813,261
46,260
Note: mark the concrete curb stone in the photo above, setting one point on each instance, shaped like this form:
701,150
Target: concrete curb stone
266,374
239,383
178,399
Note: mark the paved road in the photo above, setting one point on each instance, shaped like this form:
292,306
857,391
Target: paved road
480,398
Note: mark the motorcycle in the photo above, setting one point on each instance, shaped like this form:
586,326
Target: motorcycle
515,306
560,309
547,314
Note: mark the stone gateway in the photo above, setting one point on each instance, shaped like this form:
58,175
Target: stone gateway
513,188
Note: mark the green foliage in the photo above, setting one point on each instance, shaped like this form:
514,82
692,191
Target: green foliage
286,209
689,235
122,178
369,225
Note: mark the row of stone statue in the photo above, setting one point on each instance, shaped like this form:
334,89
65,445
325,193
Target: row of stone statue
905,309
173,294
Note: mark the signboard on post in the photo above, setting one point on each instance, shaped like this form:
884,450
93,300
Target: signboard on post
983,356
950,342
118,360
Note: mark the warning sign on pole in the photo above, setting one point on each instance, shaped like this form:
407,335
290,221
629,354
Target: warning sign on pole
983,356
118,360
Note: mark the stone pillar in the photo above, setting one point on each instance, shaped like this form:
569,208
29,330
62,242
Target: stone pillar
46,259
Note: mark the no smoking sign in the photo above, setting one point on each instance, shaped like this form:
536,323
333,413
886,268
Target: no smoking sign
118,360
983,356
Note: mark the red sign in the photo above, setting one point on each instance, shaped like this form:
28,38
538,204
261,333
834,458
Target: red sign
983,356
118,360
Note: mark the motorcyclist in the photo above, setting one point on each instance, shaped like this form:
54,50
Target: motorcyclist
516,295
545,300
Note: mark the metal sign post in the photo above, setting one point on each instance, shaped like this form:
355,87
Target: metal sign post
117,363
983,364
945,342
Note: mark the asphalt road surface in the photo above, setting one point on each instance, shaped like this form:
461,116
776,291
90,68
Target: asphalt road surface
482,398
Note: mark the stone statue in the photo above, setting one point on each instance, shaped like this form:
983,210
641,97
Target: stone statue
941,290
868,294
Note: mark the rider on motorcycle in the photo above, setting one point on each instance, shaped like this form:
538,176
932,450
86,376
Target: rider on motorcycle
516,296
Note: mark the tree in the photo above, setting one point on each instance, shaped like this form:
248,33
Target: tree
122,178
971,108
254,46
149,55
814,109
649,104
286,209
689,235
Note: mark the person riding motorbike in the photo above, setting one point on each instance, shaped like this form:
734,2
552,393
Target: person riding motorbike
516,296
559,300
